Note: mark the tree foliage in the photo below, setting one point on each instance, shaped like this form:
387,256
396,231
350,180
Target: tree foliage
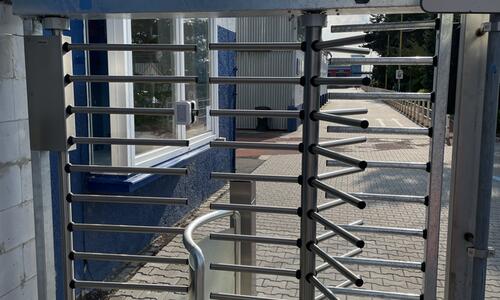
415,43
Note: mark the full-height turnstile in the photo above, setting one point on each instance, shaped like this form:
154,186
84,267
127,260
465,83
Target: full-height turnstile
311,182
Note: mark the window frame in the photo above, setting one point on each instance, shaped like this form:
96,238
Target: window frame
120,31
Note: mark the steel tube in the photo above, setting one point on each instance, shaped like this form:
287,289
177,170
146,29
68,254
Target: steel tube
381,130
390,197
340,120
107,285
226,296
330,204
125,228
342,195
253,145
385,164
126,199
255,46
120,110
132,78
378,294
253,239
340,157
330,234
255,113
326,292
352,40
385,230
380,262
253,269
255,177
129,47
385,61
351,50
351,81
70,168
252,80
354,278
351,253
392,96
121,141
130,258
343,142
255,208
351,238
346,111
339,173
387,26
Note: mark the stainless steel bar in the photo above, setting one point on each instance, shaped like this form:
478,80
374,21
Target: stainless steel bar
253,269
330,204
392,96
323,289
252,80
354,278
391,197
330,234
385,61
255,208
70,168
385,230
381,130
129,47
313,24
340,120
125,228
342,195
254,145
380,262
351,238
122,141
387,26
107,285
226,296
378,294
131,78
120,110
253,239
385,164
130,258
351,81
125,199
338,156
343,142
351,50
255,46
351,40
351,253
256,113
255,177
339,173
346,111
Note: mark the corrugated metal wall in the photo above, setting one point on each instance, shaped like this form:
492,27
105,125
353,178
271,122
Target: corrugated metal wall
279,63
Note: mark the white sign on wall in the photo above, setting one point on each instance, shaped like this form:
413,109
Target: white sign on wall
461,6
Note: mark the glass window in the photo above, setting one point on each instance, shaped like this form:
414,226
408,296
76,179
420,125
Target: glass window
159,95
197,64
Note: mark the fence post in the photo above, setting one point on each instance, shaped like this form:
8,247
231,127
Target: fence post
243,192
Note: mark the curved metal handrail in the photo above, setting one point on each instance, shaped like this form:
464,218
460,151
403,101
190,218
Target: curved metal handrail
196,254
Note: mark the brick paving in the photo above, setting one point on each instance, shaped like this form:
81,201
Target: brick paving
378,213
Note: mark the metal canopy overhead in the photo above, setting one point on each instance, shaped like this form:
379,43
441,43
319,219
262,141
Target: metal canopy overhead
92,9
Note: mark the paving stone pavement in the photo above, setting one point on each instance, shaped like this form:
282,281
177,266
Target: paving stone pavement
378,213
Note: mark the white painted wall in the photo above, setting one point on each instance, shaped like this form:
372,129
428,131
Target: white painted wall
18,276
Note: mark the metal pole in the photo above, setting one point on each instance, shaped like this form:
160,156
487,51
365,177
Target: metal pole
313,24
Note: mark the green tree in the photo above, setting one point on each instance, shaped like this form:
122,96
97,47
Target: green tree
415,43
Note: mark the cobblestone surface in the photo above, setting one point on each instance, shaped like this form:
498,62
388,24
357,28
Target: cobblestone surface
377,213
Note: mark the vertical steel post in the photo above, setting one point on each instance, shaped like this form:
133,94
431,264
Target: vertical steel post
313,24
433,214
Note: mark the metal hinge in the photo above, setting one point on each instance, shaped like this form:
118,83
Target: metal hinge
481,253
488,27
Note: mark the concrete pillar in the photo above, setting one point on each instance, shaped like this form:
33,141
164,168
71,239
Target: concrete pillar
243,192
18,271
